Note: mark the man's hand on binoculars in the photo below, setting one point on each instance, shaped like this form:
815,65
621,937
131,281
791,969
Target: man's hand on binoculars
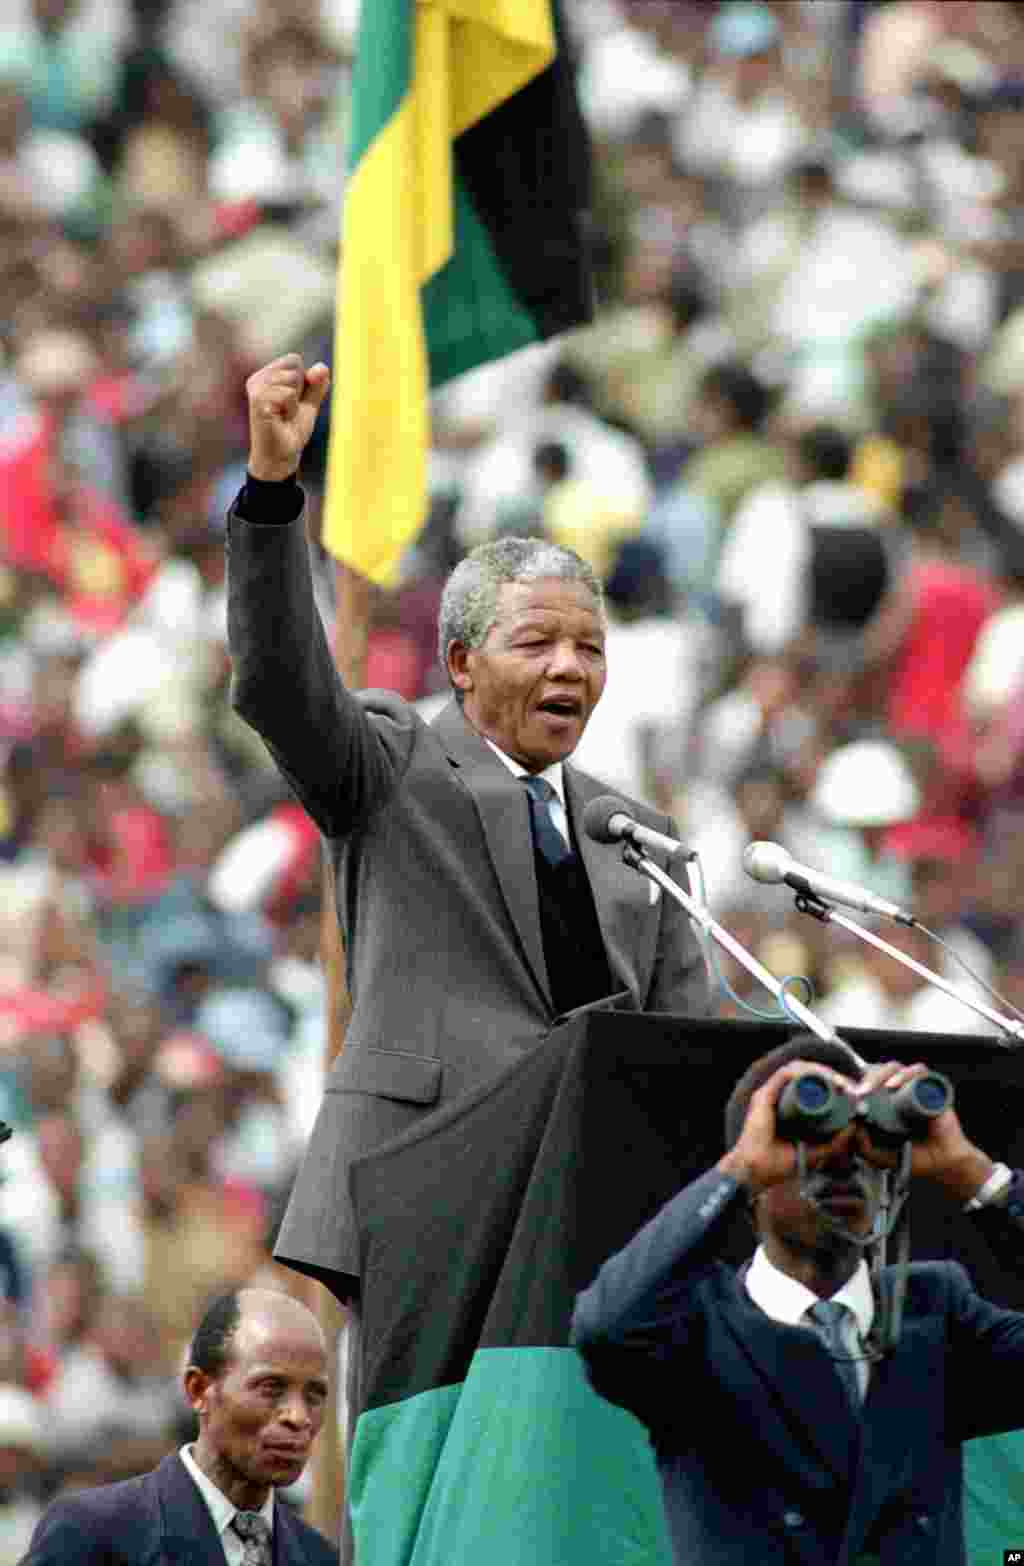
762,1158
942,1154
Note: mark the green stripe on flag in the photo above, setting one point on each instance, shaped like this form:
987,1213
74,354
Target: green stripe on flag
521,1462
382,72
470,310
465,137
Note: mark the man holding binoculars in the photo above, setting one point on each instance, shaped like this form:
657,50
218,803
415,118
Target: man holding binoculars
791,1423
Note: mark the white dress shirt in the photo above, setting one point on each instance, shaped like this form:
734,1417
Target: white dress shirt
552,775
223,1511
785,1299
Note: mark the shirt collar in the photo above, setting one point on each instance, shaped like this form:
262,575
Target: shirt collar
220,1508
787,1300
552,774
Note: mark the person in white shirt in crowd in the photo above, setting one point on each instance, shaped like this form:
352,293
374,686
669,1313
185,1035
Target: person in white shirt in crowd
640,726
810,561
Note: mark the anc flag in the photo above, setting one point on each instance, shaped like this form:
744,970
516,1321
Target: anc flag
480,1439
462,238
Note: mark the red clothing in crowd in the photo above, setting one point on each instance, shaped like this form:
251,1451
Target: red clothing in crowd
951,604
99,563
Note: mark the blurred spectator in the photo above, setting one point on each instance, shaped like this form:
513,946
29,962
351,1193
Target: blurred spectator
877,991
647,358
761,718
809,563
862,790
190,1211
743,122
693,518
578,514
281,146
110,1391
499,469
929,636
66,63
638,729
66,1298
23,1454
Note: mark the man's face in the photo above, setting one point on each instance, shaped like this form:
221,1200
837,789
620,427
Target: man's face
843,1194
531,686
264,1412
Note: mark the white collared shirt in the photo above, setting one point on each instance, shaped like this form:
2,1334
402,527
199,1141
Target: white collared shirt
787,1300
553,775
223,1511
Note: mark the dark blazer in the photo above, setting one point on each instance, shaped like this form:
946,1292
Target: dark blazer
158,1520
436,889
761,1457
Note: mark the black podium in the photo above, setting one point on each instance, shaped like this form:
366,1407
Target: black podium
479,1227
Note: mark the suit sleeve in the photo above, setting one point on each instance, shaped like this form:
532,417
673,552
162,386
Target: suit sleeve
63,1534
639,1322
341,765
987,1341
679,981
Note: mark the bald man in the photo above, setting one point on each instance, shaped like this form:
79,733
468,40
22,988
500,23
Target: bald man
257,1382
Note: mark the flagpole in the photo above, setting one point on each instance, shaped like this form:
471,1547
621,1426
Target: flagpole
352,602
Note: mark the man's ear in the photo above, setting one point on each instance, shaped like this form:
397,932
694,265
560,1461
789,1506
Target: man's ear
459,671
197,1388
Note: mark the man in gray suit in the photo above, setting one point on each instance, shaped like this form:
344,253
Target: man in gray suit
475,912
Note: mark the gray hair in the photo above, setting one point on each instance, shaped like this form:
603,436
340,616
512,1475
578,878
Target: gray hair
469,603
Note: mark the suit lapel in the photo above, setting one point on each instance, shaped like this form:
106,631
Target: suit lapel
188,1536
798,1378
287,1545
505,818
899,1382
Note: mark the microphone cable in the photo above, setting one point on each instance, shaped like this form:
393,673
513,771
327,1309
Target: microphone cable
781,1012
990,989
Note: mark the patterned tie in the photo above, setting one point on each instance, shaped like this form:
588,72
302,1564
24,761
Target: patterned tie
546,835
826,1320
254,1531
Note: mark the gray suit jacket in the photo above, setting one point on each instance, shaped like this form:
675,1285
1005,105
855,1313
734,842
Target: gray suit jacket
436,891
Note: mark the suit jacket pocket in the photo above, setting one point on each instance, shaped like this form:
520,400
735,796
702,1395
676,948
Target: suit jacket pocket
389,1073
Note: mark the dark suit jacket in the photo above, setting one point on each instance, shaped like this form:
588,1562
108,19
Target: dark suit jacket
761,1457
158,1520
436,889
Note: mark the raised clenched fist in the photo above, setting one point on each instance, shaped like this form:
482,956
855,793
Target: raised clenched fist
284,400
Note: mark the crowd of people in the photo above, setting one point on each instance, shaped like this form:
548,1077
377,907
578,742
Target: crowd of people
791,445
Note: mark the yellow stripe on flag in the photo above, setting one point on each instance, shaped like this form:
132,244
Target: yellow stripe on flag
397,231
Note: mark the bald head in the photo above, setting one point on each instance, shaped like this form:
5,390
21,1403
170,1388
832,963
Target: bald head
252,1315
266,1313
257,1383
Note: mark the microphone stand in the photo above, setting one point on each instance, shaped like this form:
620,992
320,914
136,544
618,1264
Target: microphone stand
788,1003
819,909
639,861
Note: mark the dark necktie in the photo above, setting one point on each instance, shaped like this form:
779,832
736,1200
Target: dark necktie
254,1531
826,1320
546,836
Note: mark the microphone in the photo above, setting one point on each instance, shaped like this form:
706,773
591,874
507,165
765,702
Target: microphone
770,864
607,820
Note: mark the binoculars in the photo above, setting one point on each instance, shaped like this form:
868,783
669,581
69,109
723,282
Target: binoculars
813,1109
